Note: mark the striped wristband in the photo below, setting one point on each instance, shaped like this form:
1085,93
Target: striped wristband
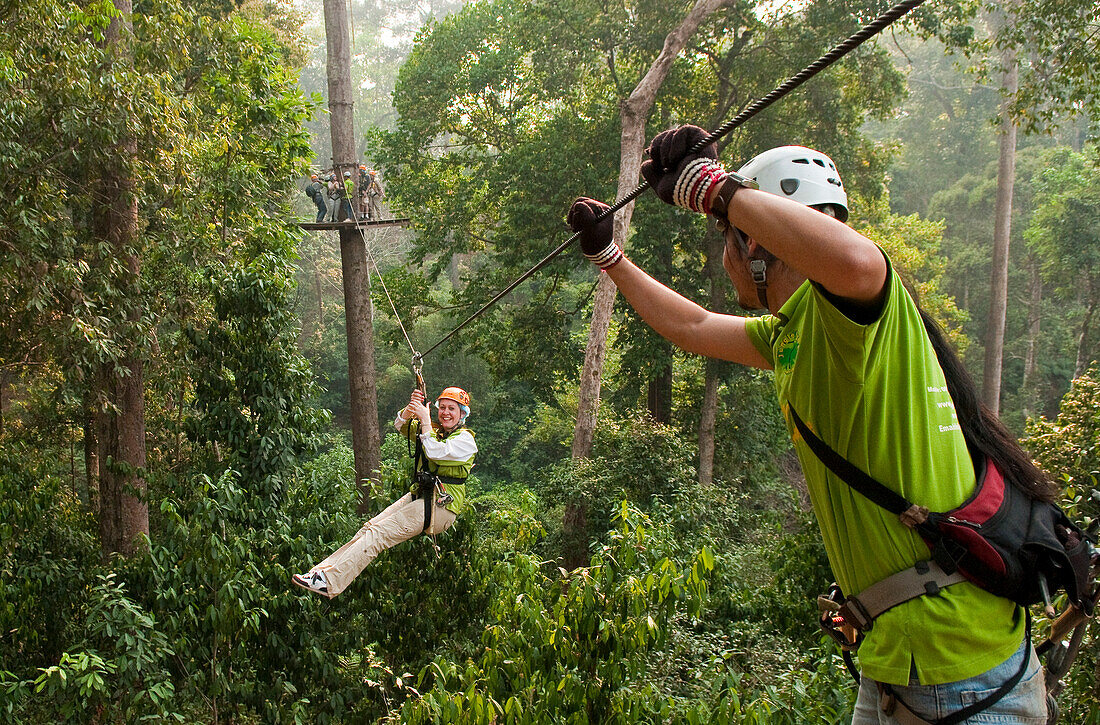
607,257
697,181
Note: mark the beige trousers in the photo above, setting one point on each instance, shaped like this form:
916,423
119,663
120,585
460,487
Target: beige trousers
403,520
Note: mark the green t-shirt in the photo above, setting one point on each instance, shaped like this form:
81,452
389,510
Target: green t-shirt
876,394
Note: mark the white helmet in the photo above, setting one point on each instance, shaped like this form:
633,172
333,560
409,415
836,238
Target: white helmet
796,172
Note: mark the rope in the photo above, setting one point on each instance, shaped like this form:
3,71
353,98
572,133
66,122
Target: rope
839,51
378,271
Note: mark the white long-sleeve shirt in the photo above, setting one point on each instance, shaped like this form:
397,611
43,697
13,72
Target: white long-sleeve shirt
457,448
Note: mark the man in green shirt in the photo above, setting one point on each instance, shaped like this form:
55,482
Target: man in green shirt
349,197
852,356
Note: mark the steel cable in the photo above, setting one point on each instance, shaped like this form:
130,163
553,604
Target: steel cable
853,41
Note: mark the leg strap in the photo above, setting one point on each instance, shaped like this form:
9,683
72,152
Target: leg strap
891,704
425,489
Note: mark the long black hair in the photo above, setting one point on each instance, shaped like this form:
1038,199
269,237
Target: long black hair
985,434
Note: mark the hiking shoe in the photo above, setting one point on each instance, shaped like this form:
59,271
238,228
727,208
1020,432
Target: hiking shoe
314,581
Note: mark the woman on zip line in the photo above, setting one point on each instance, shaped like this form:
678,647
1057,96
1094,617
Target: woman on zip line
442,462
854,354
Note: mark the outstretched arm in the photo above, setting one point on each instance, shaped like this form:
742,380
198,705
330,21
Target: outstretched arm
686,325
676,318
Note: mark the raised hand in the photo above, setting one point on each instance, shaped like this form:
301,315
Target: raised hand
688,180
597,239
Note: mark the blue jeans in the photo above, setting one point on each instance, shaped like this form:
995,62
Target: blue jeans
1026,703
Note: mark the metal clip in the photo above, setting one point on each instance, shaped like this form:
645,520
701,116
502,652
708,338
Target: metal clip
418,367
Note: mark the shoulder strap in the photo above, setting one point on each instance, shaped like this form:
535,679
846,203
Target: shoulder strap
420,461
851,475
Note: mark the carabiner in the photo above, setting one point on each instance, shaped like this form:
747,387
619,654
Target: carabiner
418,367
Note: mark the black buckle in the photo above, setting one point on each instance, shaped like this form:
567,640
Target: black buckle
758,268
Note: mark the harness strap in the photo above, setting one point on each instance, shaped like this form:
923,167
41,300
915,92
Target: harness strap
891,704
426,491
851,475
925,578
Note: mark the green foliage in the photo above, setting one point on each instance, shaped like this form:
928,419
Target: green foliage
246,640
568,649
1059,39
48,557
253,389
1068,448
643,462
120,669
1064,234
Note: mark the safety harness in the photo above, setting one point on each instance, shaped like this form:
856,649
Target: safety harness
428,484
1025,546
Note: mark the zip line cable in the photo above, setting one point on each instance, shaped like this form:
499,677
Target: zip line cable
378,271
868,31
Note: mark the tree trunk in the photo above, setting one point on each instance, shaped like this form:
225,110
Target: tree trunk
124,511
659,398
1035,299
708,411
365,434
595,352
366,438
634,111
1002,228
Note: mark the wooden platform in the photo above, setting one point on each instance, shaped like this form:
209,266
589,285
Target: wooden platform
349,224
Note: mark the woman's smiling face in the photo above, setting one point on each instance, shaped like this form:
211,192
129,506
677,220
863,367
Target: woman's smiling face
449,412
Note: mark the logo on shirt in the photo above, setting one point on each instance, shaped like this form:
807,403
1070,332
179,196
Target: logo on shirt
786,353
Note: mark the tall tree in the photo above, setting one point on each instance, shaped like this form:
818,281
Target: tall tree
1002,230
120,403
634,110
366,438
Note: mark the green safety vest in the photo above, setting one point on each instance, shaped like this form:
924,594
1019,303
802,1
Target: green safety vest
444,469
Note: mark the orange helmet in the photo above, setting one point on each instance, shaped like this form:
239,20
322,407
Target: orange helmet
458,395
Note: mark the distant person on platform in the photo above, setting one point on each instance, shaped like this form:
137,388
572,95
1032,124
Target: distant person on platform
348,196
444,456
332,198
361,197
316,191
375,192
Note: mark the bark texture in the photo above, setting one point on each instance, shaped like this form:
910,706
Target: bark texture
1002,229
120,409
366,437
